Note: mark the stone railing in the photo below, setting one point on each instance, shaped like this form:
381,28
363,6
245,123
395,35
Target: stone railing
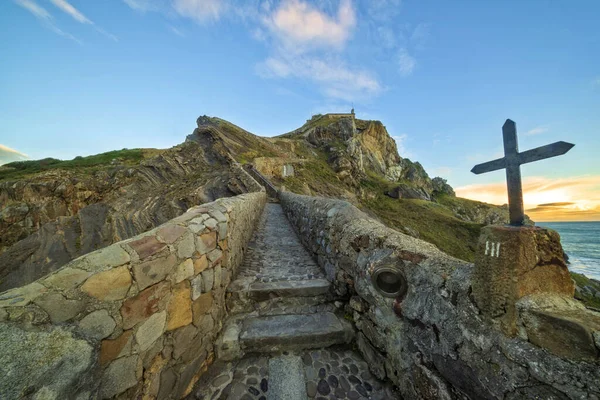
260,178
431,339
137,319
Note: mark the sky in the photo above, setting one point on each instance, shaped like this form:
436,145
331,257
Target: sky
80,77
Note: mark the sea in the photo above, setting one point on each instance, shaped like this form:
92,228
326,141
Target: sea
581,242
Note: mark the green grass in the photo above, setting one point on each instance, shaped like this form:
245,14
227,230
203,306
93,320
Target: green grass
21,169
434,222
581,281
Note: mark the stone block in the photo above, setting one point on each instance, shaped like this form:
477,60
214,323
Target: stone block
151,272
168,383
115,348
200,264
566,333
206,242
373,358
150,330
211,223
196,284
223,245
59,308
513,262
215,256
119,376
108,257
184,270
217,277
67,278
146,246
98,324
218,215
202,306
182,338
186,247
170,233
208,277
52,360
146,303
180,306
109,285
22,296
222,230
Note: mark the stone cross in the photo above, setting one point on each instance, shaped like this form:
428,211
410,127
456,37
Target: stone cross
512,161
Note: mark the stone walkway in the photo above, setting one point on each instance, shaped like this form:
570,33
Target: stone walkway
285,339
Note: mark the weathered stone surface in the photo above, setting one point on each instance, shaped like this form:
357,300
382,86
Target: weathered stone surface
22,296
222,229
196,284
217,277
293,331
202,306
150,330
109,285
108,257
215,256
115,348
182,339
59,308
170,233
210,223
513,262
180,306
375,360
52,362
67,278
286,378
98,324
218,215
566,334
208,277
186,247
154,271
184,270
168,380
146,246
119,376
146,303
206,242
200,264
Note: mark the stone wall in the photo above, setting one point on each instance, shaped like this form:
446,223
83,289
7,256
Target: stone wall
137,319
432,341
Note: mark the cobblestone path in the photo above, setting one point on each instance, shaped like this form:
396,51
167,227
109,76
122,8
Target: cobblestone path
293,342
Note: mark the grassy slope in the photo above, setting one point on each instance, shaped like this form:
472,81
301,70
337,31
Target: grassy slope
89,164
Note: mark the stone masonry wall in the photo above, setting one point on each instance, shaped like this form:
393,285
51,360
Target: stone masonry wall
137,319
432,342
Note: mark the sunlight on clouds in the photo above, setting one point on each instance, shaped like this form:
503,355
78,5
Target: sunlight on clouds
298,23
9,155
545,199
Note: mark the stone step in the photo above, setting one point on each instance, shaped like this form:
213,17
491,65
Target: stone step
286,378
293,332
261,291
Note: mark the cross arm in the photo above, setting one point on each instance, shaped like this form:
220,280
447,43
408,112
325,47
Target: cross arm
489,166
541,153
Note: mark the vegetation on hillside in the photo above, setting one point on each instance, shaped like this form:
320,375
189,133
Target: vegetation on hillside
89,164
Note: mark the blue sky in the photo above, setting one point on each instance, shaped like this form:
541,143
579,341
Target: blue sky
81,77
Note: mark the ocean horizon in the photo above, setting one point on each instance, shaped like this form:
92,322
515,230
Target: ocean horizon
581,242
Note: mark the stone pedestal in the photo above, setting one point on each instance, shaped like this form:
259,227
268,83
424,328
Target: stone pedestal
514,262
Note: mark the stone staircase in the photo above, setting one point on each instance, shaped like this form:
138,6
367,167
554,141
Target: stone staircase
277,342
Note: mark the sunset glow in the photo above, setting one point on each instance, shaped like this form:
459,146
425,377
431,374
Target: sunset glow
566,199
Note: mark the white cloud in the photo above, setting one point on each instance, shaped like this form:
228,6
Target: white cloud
336,79
145,5
406,62
45,18
296,23
536,131
401,146
72,11
9,155
199,10
176,31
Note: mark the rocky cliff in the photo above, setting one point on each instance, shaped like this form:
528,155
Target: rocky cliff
53,211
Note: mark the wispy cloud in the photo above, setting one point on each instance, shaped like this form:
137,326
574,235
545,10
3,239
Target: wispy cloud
401,146
45,18
200,10
537,131
9,155
176,31
574,198
335,78
145,5
78,16
406,62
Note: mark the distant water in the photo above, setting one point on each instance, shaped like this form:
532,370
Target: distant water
581,241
